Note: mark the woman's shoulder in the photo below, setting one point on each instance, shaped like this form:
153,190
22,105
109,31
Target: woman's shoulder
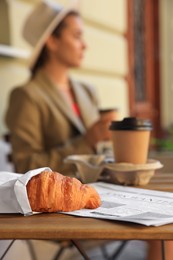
22,96
25,90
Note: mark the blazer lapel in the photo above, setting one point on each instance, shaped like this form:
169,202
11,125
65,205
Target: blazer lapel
88,109
59,100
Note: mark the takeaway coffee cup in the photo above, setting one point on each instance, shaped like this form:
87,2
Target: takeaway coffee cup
130,139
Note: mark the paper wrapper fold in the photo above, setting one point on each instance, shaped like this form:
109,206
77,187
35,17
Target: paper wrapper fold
13,194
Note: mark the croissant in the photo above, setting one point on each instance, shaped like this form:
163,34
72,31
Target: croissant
52,192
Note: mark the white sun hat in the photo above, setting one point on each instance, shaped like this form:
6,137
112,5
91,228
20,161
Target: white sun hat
41,23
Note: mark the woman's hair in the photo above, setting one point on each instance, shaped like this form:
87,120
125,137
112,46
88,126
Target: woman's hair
44,55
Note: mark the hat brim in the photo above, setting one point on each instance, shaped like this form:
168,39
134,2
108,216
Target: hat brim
38,48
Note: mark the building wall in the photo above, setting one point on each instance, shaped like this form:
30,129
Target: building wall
166,58
105,64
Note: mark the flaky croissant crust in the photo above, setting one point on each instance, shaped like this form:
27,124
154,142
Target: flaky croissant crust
52,192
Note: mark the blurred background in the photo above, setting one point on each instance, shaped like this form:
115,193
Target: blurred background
129,56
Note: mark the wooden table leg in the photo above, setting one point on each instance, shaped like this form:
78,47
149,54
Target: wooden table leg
163,249
80,249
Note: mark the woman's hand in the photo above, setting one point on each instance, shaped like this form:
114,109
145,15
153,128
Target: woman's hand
98,132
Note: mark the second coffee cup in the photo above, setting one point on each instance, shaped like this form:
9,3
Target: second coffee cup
130,139
109,114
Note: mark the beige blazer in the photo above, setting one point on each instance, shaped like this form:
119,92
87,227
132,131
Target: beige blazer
43,127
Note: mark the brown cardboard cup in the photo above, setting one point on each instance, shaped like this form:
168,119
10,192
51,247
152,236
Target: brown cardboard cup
109,114
130,139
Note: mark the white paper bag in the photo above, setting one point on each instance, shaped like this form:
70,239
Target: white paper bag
13,194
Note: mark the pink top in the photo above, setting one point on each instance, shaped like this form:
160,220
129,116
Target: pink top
76,109
74,105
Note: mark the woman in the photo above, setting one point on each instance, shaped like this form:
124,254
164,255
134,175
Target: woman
53,116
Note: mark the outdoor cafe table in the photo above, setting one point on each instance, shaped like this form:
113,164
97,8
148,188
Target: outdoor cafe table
64,227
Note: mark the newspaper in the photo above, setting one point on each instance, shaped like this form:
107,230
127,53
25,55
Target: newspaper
146,207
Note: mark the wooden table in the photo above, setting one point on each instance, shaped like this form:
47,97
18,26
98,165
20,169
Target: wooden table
63,227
